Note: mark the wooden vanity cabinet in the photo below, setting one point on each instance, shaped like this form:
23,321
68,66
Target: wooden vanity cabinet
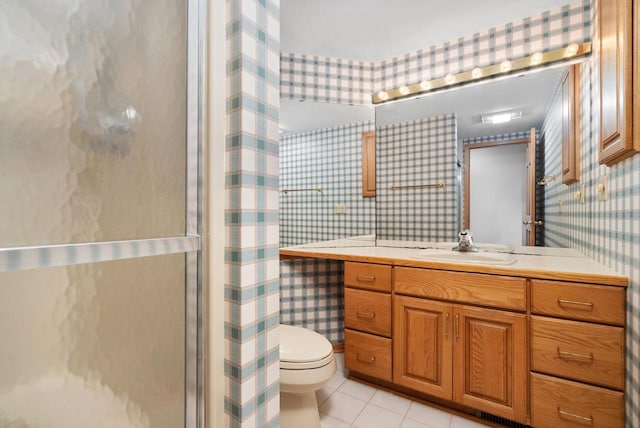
471,355
367,319
546,353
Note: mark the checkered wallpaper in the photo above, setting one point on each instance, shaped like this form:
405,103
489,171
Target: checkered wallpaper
311,290
333,80
312,296
331,159
337,80
252,275
418,152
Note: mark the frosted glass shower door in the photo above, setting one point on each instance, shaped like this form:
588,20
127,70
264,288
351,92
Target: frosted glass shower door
99,235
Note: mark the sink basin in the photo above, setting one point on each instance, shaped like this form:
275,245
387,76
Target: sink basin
485,258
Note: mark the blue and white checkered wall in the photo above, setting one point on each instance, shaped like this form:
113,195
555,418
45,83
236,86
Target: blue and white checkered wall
330,159
418,152
251,187
306,77
311,293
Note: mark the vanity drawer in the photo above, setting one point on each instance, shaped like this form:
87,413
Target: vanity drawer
579,301
368,276
368,311
563,403
368,354
577,350
478,289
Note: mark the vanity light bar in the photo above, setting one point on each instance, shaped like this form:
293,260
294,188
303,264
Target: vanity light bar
504,68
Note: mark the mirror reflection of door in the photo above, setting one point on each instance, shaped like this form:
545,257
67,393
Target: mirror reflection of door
499,180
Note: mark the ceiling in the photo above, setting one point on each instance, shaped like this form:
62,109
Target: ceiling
374,30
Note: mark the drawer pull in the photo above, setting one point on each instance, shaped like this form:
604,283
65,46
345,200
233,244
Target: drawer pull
585,305
365,278
565,354
366,315
365,358
588,419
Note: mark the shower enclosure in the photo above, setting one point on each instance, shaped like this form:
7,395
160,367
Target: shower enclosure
100,290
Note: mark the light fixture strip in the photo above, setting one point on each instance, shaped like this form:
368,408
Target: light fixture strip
478,74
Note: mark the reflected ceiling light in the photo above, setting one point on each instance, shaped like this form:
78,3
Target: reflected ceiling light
383,95
502,117
425,86
536,58
529,63
572,49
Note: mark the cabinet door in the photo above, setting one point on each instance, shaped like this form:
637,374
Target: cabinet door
369,165
615,60
422,345
490,361
570,125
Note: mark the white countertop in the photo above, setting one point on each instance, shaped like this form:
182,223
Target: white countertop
533,262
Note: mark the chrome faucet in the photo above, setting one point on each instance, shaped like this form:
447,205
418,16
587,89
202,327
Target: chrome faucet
465,242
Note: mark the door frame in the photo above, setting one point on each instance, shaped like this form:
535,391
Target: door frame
467,170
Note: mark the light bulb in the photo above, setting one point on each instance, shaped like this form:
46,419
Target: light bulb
572,49
505,66
449,78
383,96
404,90
425,86
476,73
536,58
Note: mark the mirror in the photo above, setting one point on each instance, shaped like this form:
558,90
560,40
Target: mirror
321,173
440,169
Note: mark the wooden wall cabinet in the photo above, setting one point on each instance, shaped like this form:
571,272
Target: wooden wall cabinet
368,164
570,91
618,69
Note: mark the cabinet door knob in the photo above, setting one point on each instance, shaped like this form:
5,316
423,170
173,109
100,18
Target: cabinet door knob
446,325
457,326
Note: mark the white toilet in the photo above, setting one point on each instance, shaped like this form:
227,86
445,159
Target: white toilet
306,365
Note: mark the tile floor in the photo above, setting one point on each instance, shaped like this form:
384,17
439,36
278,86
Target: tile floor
347,404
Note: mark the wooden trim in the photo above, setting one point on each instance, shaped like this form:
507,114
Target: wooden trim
570,103
338,348
531,186
467,179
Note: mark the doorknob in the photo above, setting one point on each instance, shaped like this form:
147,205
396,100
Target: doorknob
537,222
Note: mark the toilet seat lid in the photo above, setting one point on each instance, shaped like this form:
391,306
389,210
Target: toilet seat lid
300,345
